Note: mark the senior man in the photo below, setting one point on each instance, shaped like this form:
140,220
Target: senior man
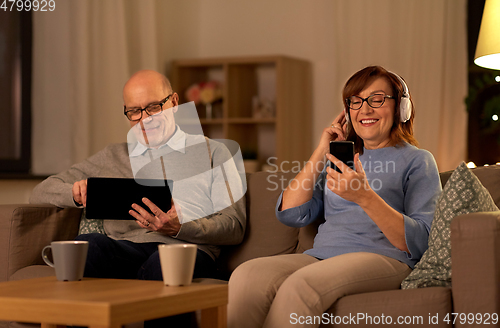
129,248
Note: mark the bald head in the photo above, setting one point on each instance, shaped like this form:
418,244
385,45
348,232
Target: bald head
147,80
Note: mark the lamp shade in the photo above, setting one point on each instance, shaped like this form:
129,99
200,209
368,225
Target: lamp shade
488,43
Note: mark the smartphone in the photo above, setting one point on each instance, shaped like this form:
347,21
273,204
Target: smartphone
344,151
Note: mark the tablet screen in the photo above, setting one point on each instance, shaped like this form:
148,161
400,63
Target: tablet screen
112,198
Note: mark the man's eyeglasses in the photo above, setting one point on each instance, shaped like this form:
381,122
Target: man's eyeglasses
135,114
374,101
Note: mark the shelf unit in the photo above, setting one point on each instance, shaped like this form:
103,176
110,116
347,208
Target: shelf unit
285,138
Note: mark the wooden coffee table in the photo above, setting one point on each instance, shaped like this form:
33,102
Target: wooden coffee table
99,303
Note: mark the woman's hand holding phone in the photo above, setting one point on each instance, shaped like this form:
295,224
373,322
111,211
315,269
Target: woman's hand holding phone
351,184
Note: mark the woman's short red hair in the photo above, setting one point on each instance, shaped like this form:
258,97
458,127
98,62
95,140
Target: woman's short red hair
400,132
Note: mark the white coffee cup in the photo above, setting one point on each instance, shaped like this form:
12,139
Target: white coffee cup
69,258
177,263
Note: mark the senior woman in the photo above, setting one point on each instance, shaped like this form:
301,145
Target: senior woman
377,217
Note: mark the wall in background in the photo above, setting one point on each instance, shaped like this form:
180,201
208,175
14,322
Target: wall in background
16,191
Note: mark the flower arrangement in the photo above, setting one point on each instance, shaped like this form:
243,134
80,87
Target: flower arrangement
204,92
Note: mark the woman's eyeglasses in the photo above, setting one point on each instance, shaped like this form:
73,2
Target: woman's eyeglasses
374,101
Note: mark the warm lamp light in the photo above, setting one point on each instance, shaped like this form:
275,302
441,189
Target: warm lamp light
488,43
471,165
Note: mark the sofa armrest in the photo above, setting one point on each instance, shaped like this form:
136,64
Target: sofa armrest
26,229
475,244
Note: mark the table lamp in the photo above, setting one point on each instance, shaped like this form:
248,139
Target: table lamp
488,43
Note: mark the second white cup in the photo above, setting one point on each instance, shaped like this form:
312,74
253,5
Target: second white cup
177,263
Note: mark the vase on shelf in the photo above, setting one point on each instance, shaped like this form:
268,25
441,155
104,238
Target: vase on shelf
208,111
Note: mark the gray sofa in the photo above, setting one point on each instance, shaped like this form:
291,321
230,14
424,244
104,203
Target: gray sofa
26,229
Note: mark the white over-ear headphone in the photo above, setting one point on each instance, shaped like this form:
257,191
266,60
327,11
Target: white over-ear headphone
404,103
405,106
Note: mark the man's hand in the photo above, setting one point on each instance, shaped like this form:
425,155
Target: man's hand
165,223
80,192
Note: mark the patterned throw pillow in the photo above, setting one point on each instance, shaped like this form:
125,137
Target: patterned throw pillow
90,225
462,194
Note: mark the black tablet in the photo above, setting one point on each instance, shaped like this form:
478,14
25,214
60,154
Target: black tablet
112,198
